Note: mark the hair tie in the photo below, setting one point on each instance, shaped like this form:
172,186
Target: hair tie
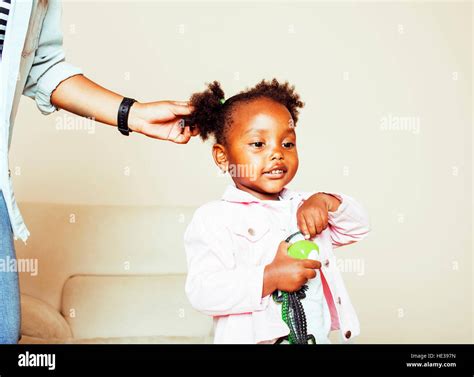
222,101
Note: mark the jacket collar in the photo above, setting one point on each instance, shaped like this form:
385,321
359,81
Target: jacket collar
235,195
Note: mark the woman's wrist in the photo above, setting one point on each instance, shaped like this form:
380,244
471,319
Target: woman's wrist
136,117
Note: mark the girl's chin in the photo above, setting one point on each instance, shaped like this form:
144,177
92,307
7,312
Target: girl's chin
272,187
265,188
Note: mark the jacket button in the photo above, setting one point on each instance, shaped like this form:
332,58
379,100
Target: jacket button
348,334
339,300
326,263
251,231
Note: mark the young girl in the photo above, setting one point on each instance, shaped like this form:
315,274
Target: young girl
235,254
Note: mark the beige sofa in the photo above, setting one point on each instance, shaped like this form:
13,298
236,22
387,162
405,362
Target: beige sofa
107,275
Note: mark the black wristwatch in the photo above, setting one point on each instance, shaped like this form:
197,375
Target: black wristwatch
122,115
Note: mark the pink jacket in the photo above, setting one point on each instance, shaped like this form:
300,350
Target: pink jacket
228,244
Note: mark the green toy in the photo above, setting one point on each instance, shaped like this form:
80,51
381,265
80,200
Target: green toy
302,249
292,311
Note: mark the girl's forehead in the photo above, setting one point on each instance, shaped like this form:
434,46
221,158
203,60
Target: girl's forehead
261,114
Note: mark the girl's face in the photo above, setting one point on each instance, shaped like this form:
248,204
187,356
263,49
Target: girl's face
260,154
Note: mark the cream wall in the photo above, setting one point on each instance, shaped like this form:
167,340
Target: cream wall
357,66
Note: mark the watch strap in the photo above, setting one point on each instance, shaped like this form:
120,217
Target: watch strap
122,115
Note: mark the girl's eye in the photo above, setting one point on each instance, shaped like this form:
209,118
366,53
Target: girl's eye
257,144
288,145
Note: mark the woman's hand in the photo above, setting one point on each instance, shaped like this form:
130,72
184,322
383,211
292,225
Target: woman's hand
286,273
161,120
312,216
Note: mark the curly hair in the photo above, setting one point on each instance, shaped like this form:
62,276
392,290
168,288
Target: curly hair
213,115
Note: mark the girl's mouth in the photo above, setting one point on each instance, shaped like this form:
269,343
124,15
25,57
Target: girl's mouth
275,173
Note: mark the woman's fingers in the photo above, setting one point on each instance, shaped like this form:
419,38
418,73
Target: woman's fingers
170,130
180,108
195,131
184,103
183,137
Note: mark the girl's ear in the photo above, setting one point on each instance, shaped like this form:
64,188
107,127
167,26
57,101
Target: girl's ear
220,157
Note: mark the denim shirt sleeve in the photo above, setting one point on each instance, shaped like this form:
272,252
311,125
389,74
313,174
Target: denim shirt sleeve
49,67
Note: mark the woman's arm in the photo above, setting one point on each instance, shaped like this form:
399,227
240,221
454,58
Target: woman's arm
160,120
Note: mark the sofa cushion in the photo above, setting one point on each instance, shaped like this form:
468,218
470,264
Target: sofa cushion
41,320
118,306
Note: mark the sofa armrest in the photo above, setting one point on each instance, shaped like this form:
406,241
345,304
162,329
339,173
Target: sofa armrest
41,320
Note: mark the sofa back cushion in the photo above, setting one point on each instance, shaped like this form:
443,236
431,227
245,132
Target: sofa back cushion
70,239
128,306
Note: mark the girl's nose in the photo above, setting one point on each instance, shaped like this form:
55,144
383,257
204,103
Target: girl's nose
277,154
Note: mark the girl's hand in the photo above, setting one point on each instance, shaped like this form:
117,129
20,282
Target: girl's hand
162,120
286,273
312,216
